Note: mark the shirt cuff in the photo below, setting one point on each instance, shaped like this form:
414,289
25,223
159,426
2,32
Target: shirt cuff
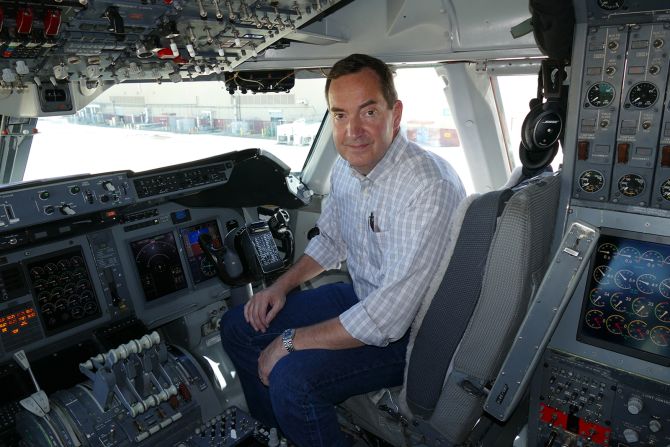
358,323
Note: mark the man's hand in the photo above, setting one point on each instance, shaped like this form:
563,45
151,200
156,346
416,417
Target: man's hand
261,309
269,358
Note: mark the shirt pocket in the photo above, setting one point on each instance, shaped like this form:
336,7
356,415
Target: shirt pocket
379,251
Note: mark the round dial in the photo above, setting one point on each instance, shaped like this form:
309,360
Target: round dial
646,283
607,250
665,190
662,311
615,324
600,94
643,307
602,274
631,254
664,287
631,185
594,319
610,5
643,95
591,181
619,302
207,267
625,279
652,258
637,329
598,297
660,335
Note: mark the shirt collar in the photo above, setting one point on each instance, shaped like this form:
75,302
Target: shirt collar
387,162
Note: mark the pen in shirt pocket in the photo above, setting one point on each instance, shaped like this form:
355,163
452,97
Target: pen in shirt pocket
373,224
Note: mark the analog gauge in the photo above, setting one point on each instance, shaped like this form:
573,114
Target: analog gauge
642,307
600,94
77,261
652,258
207,267
665,190
602,274
598,297
646,283
631,185
64,264
643,95
591,181
637,329
50,268
630,254
619,302
664,287
594,319
660,335
615,324
607,250
36,272
662,311
610,5
625,279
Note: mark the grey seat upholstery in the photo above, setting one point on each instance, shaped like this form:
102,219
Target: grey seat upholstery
517,259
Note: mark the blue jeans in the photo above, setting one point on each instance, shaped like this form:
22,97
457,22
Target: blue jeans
306,385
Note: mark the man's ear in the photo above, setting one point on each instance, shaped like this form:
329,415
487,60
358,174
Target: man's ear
397,115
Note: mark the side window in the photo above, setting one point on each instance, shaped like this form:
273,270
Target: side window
516,91
427,120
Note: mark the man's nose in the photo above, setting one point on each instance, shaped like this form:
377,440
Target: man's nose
354,127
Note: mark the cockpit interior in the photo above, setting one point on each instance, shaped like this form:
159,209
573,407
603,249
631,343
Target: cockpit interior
549,321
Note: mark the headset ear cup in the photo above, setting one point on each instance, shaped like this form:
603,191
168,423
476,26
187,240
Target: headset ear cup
540,135
536,160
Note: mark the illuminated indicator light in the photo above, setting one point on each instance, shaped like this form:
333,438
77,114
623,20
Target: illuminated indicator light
15,331
5,132
110,213
3,330
24,323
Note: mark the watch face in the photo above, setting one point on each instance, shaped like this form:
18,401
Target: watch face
287,339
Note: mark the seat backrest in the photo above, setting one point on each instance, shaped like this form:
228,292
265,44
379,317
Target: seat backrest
513,269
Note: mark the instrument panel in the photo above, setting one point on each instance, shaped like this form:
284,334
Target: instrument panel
626,307
134,255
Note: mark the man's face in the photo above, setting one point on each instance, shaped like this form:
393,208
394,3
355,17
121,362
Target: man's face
363,124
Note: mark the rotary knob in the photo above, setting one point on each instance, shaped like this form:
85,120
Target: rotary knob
635,405
631,435
655,426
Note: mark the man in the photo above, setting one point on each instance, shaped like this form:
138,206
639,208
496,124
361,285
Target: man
387,216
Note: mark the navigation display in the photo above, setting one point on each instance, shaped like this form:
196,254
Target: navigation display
202,268
158,265
626,305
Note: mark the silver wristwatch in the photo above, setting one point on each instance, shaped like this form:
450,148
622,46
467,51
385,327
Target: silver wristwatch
287,339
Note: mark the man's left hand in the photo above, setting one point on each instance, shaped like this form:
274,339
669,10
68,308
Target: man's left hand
269,358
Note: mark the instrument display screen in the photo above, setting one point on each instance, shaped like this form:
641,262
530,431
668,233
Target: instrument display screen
201,267
159,266
626,306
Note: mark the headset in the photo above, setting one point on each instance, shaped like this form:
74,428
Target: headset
543,127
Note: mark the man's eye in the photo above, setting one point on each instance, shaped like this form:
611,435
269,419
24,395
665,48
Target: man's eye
371,112
338,116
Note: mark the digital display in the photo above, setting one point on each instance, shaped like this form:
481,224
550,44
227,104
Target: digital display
201,267
159,266
63,290
626,306
19,326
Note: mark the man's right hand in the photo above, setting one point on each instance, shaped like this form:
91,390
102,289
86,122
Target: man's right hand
261,309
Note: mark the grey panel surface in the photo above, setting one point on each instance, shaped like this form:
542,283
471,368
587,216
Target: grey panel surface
548,306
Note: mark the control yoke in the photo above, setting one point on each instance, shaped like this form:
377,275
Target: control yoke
250,253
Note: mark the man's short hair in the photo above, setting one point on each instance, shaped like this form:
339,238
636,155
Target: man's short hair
355,63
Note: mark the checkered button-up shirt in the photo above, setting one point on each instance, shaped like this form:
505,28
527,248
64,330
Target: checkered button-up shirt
391,228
